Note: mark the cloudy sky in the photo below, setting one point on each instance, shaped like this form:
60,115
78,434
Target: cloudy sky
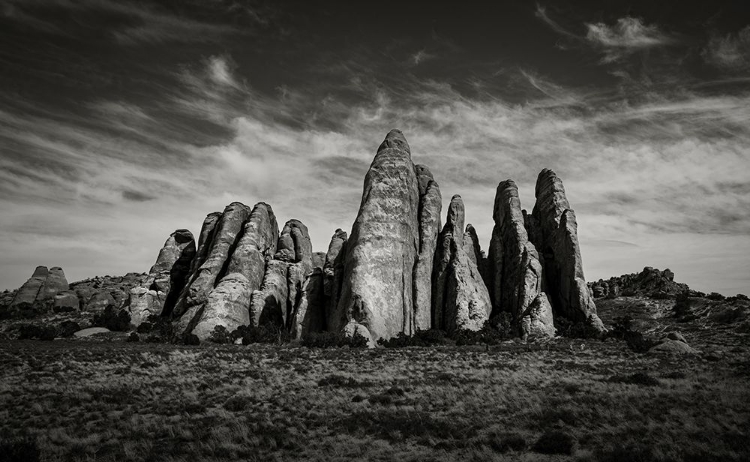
122,121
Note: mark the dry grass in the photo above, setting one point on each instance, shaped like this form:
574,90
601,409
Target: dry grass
123,401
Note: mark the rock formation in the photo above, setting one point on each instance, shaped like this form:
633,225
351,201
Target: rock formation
166,278
649,282
333,276
382,250
42,287
460,298
553,230
224,239
516,274
430,207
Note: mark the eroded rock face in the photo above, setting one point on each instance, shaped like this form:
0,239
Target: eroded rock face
383,247
166,278
649,282
309,310
268,304
333,277
554,232
42,286
460,298
228,304
430,207
30,289
225,237
517,273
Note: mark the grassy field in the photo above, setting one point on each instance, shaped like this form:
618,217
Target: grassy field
563,400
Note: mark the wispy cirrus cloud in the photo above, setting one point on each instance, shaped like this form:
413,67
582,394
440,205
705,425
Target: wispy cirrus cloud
729,52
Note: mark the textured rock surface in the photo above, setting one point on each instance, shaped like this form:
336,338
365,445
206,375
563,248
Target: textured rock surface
460,298
225,236
382,249
30,290
166,278
66,300
430,207
309,311
555,235
54,284
269,303
648,282
516,272
228,304
333,275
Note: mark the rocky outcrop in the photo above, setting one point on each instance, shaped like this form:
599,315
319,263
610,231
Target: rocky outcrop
309,311
228,304
166,278
649,282
224,240
430,207
333,276
516,272
460,298
65,301
42,287
553,230
382,250
268,304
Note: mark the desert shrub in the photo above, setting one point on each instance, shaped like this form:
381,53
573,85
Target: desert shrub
238,403
715,296
191,339
117,321
638,342
555,442
68,328
334,340
159,328
493,332
629,292
144,328
268,333
338,381
571,329
421,338
729,315
35,331
695,293
25,310
220,335
639,378
133,337
505,442
20,450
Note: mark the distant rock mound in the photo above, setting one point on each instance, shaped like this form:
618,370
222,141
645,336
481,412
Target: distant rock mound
649,282
42,287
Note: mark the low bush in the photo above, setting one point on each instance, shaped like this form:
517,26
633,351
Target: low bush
116,321
160,329
682,305
555,442
570,329
191,339
68,328
268,334
35,331
715,296
334,340
421,338
220,335
133,337
493,332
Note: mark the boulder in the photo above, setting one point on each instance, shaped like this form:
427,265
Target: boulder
460,298
669,346
554,232
99,301
66,300
430,207
537,320
90,331
382,249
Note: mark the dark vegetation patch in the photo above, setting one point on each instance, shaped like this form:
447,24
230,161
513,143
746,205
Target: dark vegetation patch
555,442
334,340
639,378
112,319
